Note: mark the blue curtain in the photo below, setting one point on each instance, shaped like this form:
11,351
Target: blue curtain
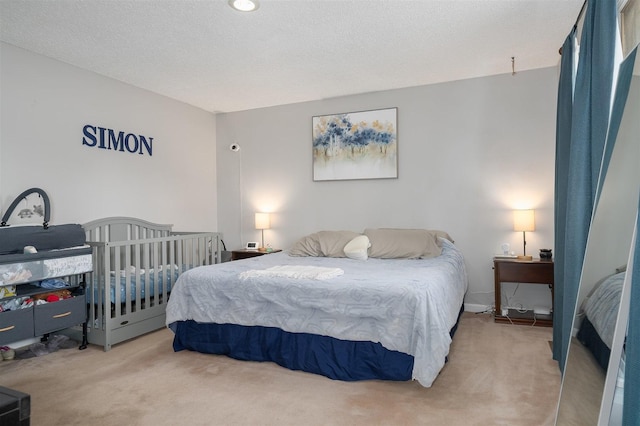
589,122
563,142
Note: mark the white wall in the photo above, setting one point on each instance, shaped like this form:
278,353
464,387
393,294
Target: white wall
44,106
469,152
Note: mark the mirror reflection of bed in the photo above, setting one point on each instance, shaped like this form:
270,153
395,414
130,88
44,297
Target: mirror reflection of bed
592,369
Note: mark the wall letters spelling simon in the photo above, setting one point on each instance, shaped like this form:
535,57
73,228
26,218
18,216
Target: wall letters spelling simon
103,138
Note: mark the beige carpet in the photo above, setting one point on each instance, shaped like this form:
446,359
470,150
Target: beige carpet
497,374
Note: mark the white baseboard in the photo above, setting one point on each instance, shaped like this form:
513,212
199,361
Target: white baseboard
474,307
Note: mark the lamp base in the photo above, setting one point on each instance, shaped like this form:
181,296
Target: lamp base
527,257
262,249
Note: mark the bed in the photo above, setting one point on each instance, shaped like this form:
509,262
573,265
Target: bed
136,263
384,312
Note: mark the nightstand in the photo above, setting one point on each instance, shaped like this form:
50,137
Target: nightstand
534,271
245,254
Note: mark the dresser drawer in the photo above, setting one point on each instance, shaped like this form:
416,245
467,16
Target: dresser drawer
16,325
58,315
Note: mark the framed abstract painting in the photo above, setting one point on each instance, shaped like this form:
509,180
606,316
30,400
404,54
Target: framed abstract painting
356,145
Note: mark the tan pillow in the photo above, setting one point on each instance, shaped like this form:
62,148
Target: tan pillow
403,243
306,246
332,242
323,243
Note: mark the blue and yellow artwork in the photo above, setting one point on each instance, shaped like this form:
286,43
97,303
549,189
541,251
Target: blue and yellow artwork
356,145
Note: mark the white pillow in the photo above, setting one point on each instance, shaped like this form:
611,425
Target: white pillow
357,248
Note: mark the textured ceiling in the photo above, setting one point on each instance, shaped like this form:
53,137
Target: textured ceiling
208,55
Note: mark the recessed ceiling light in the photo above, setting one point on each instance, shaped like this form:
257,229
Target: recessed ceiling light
244,5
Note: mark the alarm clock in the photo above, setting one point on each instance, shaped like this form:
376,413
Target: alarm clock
252,246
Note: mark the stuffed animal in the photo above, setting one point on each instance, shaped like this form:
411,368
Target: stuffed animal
53,296
39,210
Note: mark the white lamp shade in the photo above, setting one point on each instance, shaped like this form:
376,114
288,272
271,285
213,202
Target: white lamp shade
263,221
524,220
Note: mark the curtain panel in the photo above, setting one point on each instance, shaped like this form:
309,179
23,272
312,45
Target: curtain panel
580,170
563,142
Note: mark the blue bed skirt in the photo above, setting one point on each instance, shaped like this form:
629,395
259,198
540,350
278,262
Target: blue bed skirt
330,357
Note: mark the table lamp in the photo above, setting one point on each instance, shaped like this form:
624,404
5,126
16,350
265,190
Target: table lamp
263,221
524,220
